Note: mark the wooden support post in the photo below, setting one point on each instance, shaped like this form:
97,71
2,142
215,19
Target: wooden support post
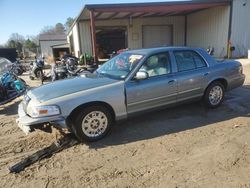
93,34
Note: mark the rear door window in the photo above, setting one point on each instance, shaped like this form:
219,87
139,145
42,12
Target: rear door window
188,60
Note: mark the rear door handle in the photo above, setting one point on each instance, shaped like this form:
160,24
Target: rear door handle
207,73
171,81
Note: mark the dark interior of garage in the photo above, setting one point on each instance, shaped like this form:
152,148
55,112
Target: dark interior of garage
57,52
109,40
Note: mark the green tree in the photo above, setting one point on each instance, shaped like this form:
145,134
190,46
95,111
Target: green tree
69,22
33,38
16,41
59,28
50,30
29,44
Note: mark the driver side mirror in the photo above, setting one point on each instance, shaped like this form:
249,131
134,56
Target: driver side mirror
141,75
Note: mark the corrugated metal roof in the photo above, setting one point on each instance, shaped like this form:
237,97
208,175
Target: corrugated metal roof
51,37
152,9
168,3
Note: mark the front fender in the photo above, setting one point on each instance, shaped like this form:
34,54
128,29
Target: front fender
112,94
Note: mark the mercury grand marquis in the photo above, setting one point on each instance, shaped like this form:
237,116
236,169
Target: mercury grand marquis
132,82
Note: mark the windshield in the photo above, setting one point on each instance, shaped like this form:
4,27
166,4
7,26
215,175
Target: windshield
4,65
119,66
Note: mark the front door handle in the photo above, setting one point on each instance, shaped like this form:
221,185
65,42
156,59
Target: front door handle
171,81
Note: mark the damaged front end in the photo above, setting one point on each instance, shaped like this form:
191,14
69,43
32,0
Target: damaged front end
32,116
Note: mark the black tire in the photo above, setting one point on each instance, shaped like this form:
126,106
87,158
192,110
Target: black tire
77,124
207,97
17,71
41,77
38,73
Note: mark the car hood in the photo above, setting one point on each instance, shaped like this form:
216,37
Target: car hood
68,86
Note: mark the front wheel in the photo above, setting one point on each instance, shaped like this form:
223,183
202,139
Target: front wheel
93,123
214,95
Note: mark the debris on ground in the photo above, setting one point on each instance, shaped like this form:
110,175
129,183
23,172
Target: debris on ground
65,142
236,126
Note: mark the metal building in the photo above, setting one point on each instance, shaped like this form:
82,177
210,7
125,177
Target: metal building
101,29
47,41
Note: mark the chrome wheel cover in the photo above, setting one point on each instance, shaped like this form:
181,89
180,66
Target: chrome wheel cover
94,124
215,95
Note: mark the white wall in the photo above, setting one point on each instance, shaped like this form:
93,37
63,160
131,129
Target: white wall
209,28
46,49
178,23
76,40
240,37
85,37
134,30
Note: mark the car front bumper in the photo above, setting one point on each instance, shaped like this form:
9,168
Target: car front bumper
26,123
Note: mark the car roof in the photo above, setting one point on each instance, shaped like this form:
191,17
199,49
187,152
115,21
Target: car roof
147,51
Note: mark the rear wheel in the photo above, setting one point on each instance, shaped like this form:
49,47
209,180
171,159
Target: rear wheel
214,95
93,123
39,75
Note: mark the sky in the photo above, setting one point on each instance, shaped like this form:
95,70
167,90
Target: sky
29,17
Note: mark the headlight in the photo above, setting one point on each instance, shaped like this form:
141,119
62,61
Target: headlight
42,111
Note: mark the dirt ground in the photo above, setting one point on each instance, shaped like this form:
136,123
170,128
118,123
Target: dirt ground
186,146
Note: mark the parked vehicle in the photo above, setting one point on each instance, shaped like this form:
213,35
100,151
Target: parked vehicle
11,86
15,66
67,56
18,68
132,82
36,69
64,70
210,51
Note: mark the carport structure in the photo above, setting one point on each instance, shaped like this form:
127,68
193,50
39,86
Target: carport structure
199,23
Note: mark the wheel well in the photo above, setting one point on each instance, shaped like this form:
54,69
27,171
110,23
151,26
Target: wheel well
222,81
73,114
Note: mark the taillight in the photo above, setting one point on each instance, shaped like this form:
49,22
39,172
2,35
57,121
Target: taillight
240,69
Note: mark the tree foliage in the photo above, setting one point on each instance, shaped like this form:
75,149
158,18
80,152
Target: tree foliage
50,30
69,22
16,41
31,42
31,45
59,28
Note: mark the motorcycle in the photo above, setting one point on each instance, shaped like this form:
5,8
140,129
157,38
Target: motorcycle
15,67
11,86
210,51
66,69
36,69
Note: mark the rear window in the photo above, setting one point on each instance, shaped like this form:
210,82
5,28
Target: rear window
188,60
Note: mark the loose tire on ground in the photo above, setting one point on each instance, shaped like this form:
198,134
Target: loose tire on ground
92,123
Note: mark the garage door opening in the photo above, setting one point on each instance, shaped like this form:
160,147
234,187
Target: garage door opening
110,39
157,36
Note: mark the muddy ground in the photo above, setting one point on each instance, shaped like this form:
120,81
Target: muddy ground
186,146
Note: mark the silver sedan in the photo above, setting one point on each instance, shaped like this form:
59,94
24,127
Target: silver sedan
132,82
